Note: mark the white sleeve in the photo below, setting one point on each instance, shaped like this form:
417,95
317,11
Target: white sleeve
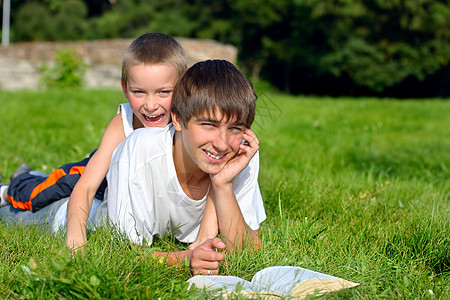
248,195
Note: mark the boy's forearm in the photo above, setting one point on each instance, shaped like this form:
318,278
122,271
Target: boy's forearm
76,233
232,226
209,225
77,216
75,238
174,258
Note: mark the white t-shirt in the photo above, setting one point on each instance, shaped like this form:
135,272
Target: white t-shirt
145,198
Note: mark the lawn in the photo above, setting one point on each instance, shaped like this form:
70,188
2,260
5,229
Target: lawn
353,187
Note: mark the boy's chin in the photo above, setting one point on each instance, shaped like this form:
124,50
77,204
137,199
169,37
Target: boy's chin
162,125
212,171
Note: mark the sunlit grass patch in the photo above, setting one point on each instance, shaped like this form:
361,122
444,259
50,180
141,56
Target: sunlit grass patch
355,188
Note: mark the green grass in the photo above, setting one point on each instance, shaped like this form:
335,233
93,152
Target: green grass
356,188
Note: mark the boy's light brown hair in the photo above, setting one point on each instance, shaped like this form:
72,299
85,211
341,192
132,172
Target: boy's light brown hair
211,86
153,49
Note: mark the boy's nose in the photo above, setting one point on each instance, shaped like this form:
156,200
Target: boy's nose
221,140
151,104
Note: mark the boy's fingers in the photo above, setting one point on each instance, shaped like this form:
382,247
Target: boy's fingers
251,134
213,265
212,272
209,250
251,146
213,256
217,243
206,260
206,271
251,139
212,244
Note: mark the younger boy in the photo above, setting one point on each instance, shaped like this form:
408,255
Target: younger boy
150,68
163,180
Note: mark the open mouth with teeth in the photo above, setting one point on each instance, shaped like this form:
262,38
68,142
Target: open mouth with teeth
154,120
216,157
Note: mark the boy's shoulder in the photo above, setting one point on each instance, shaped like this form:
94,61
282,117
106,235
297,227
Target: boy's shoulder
146,142
149,132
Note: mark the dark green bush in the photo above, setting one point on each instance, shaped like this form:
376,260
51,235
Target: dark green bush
33,23
65,20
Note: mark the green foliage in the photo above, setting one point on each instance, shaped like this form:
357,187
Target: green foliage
56,21
380,44
376,44
303,46
67,71
132,18
35,23
70,20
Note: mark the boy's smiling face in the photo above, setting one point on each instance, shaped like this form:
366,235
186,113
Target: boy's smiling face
149,91
210,140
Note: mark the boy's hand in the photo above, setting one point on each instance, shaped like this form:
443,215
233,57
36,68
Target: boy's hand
76,243
204,236
205,259
238,163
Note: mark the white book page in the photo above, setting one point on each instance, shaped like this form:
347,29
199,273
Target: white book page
224,283
284,279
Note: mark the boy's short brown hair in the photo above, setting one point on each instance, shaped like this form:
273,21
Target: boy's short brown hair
214,85
153,49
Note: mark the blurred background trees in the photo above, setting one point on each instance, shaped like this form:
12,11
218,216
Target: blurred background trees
335,47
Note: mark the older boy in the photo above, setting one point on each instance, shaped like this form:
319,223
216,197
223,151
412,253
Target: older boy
162,180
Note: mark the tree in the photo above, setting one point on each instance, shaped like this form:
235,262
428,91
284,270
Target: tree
370,46
32,23
374,44
62,20
380,43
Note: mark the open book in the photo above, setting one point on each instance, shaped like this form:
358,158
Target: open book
273,283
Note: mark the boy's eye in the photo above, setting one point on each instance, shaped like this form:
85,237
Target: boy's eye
237,129
165,92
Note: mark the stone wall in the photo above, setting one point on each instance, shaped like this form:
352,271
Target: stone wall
20,63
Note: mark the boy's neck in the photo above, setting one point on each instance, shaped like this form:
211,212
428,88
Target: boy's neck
193,180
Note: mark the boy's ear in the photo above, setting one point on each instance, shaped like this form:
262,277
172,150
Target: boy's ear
124,89
176,121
